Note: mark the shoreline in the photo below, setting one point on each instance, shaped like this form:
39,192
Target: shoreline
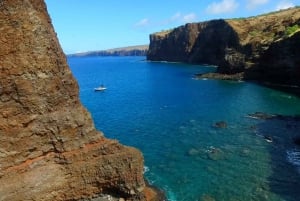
288,88
151,193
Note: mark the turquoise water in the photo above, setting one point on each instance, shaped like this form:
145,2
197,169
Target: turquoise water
160,109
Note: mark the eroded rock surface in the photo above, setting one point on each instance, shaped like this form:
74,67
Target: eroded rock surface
49,148
261,48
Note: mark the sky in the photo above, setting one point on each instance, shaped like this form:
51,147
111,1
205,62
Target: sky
104,24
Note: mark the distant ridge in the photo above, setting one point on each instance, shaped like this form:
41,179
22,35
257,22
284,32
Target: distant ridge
137,50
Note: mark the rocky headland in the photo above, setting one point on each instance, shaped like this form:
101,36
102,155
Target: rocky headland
138,50
262,48
49,147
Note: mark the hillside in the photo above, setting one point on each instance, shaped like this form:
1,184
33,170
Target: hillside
138,50
256,48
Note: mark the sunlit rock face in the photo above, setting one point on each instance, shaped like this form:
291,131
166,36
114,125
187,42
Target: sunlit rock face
256,48
49,147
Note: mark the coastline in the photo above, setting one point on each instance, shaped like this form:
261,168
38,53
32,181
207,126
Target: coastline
248,51
152,193
220,76
169,163
292,89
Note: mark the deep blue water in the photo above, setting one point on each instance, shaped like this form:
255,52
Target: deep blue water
160,109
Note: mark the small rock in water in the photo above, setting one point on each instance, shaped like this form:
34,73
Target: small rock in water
245,152
193,152
215,154
220,124
207,198
261,115
268,138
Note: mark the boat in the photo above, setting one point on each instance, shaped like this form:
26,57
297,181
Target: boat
101,88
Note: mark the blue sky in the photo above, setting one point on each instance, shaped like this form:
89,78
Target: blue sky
103,24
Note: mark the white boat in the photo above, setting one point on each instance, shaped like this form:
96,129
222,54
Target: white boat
101,88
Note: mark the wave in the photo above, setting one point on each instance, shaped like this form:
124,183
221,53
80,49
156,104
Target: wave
293,157
153,179
146,169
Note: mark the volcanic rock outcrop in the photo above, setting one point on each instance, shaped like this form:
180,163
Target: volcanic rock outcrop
49,148
258,48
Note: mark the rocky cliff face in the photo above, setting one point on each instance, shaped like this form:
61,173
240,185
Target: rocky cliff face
262,47
49,148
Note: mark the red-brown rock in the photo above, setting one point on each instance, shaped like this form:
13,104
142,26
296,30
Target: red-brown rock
49,148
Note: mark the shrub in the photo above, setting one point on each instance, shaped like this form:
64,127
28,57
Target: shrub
291,30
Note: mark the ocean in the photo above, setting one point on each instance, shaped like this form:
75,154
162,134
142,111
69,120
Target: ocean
198,137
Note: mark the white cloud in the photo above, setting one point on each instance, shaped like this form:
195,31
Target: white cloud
175,17
284,5
251,4
225,6
189,17
174,20
142,23
179,17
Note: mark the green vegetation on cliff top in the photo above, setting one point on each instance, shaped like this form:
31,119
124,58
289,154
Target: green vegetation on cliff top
291,30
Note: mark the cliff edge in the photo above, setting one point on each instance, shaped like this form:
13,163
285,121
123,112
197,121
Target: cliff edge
49,148
256,48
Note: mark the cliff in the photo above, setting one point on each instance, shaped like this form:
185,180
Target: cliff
49,148
138,50
259,48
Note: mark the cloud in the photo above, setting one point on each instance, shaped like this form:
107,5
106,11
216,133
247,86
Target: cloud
179,17
189,17
284,5
175,17
146,23
224,6
142,23
251,4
